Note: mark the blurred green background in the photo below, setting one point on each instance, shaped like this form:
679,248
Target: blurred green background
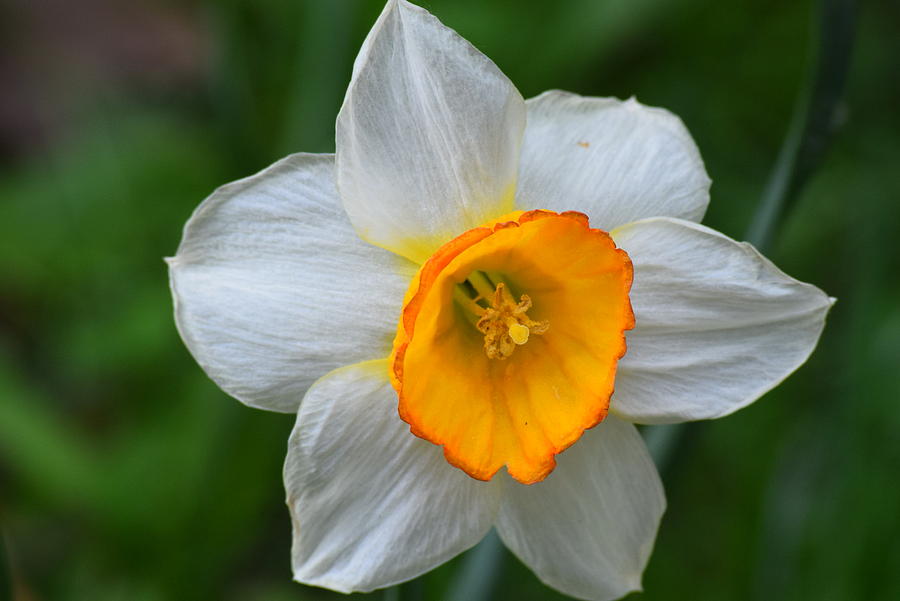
126,475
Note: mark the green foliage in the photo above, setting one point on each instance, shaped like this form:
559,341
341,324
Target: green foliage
126,474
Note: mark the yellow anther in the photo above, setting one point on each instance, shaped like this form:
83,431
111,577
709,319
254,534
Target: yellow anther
519,333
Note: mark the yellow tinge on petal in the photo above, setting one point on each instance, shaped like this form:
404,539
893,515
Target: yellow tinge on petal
508,342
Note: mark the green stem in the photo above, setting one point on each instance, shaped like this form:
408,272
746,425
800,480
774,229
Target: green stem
477,578
813,124
814,121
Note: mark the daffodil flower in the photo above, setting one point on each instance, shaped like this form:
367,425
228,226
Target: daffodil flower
447,301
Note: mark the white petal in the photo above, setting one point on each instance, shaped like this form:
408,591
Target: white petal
273,288
371,504
588,529
717,324
614,161
428,137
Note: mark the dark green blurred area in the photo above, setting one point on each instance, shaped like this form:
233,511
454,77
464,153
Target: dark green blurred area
126,475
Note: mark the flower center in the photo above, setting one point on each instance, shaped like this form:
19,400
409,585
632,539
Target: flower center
503,321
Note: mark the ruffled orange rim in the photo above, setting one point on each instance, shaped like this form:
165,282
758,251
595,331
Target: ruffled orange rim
522,411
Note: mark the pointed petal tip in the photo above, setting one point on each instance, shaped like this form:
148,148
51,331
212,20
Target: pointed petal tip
602,554
465,152
350,458
332,585
751,309
247,280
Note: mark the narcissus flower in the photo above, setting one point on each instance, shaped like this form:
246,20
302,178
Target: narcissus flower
447,301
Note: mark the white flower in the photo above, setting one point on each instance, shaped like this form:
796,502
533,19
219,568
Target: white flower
290,285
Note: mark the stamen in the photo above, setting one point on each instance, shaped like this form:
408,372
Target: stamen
505,323
519,333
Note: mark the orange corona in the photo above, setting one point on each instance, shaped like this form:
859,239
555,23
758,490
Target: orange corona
508,341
